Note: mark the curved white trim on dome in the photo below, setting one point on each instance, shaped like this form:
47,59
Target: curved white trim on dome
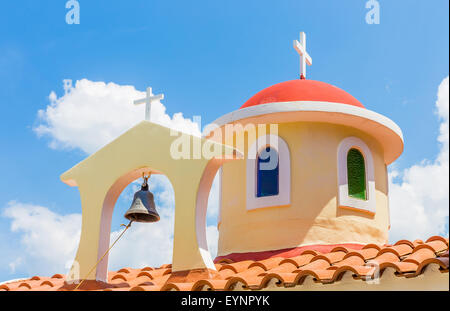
386,131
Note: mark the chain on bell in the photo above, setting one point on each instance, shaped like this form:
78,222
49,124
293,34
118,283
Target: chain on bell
143,208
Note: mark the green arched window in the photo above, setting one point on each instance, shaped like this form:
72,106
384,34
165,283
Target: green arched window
356,174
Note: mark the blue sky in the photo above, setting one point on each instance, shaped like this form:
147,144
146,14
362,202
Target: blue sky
208,58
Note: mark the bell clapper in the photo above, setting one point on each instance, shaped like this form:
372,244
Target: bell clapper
146,178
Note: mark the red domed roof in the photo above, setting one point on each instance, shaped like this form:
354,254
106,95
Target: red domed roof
302,90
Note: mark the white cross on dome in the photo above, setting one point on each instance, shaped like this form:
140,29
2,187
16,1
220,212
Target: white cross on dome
305,59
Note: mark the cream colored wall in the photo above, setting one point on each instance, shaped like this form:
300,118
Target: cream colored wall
313,216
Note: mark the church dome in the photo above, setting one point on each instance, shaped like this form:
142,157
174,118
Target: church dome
302,90
304,100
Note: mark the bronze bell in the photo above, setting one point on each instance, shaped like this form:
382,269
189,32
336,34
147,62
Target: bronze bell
143,207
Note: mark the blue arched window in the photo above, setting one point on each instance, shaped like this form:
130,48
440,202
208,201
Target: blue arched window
267,172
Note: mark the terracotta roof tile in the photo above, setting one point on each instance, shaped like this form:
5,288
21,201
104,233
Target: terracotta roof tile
280,279
441,261
254,282
420,254
367,254
285,267
405,242
238,266
299,261
404,258
224,261
444,253
210,285
333,257
399,250
121,289
251,272
318,275
341,248
369,246
226,273
438,238
177,287
235,281
437,245
118,278
317,264
417,242
354,259
385,257
400,267
356,271
267,264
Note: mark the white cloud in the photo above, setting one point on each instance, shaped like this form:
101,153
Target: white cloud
419,197
13,265
47,239
92,114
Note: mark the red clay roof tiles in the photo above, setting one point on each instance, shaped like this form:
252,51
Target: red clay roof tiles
406,258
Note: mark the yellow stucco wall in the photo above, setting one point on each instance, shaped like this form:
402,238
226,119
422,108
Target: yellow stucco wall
313,216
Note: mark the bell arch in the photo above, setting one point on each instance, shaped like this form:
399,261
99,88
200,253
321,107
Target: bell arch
108,207
103,176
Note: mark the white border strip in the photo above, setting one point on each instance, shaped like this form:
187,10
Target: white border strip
312,106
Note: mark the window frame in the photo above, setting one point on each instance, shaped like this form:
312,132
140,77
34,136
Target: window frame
344,200
283,198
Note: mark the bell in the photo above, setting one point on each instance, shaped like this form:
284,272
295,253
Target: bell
143,207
